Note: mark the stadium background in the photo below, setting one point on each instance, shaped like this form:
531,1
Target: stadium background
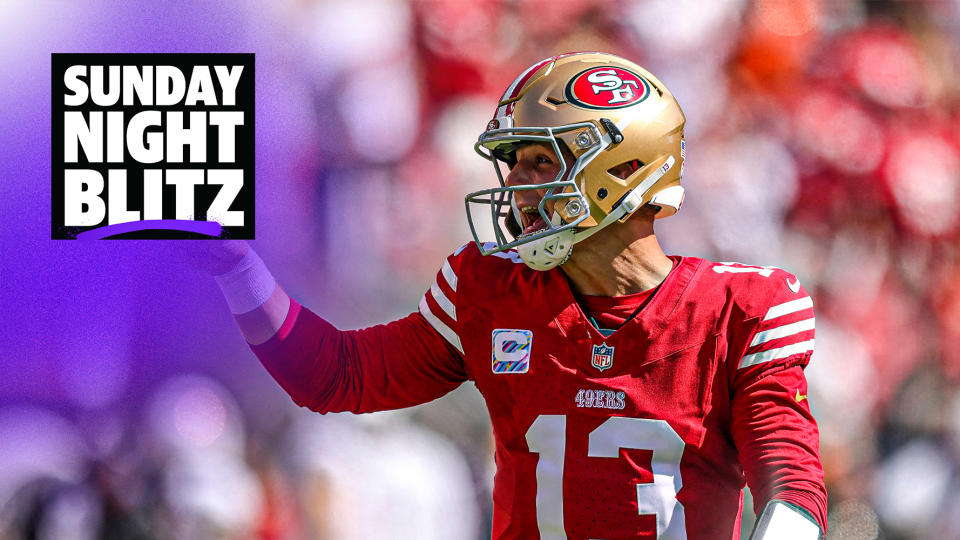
822,137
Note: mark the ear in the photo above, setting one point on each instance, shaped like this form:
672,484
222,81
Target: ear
625,169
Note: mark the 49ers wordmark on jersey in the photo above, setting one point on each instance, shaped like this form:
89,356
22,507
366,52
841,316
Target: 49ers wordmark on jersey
152,146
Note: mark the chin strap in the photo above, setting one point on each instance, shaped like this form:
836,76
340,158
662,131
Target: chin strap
632,201
784,521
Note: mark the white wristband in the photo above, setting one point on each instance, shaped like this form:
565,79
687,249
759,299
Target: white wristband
784,521
248,285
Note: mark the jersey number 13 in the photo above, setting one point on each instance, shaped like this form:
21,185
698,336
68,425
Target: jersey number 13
547,437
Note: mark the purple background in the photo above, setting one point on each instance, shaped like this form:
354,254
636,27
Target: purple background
91,322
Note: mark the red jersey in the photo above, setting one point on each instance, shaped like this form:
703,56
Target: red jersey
650,432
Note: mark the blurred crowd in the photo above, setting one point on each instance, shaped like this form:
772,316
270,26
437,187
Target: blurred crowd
823,136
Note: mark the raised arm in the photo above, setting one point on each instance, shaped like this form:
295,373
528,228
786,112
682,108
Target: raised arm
403,363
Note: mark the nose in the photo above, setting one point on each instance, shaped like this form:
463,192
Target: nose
520,175
517,176
523,198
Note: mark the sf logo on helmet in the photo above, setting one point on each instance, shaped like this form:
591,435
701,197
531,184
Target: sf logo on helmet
607,87
607,80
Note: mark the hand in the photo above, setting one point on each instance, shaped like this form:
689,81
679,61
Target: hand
215,257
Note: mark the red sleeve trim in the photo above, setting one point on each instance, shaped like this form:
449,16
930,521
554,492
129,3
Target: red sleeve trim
287,325
293,355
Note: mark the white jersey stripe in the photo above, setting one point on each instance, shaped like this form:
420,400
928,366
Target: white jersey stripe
449,275
509,255
439,326
445,304
776,354
787,308
782,331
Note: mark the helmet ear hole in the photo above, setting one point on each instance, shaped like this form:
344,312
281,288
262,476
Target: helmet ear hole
625,169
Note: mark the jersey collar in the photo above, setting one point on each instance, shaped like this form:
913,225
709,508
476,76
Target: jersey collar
652,319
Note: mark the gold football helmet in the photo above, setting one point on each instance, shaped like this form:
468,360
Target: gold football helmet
610,115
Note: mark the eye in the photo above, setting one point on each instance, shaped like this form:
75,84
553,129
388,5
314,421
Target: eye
544,160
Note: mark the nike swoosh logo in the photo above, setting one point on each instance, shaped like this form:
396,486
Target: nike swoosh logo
799,397
795,286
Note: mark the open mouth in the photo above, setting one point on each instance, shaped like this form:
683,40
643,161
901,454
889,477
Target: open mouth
532,220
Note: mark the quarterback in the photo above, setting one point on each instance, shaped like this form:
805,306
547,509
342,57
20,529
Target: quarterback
632,394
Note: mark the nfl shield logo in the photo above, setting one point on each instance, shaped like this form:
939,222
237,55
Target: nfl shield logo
602,357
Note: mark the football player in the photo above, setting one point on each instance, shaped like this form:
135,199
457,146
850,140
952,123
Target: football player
632,394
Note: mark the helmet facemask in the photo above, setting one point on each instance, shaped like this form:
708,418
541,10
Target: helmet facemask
550,245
